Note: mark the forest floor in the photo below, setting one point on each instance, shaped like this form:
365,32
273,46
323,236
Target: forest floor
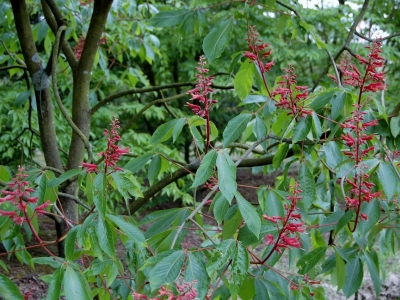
33,287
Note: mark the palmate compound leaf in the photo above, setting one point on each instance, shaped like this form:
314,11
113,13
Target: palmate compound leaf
167,270
217,39
206,168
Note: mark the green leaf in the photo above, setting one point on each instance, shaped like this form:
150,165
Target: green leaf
307,185
127,228
205,169
354,276
373,211
138,163
197,137
22,98
323,99
309,260
188,24
217,39
244,79
54,290
195,270
163,133
374,272
5,174
154,168
249,214
273,204
316,126
70,243
247,237
105,236
99,197
344,220
127,185
75,285
235,128
178,128
214,131
8,290
221,206
53,262
259,129
280,154
226,176
167,270
240,264
232,220
255,99
220,256
338,101
261,289
169,18
333,154
63,177
302,129
388,179
395,126
340,270
247,290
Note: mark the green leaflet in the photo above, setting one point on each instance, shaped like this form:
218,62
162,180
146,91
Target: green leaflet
302,129
63,177
226,175
340,270
164,132
221,206
8,290
374,272
128,228
105,236
354,276
138,163
205,169
75,285
244,79
307,185
195,270
169,18
220,257
54,290
154,168
167,270
240,264
309,260
217,39
323,99
280,154
70,242
235,128
249,214
388,179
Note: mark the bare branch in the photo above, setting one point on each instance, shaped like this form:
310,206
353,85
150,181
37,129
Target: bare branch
379,39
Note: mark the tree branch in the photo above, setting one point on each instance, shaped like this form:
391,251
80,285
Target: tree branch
149,89
50,11
57,95
373,40
346,44
13,67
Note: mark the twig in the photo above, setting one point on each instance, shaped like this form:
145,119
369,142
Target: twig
378,39
335,68
75,199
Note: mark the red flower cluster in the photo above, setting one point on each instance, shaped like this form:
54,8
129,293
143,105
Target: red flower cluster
113,152
372,81
290,225
201,91
361,190
81,42
258,50
186,292
19,196
291,95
